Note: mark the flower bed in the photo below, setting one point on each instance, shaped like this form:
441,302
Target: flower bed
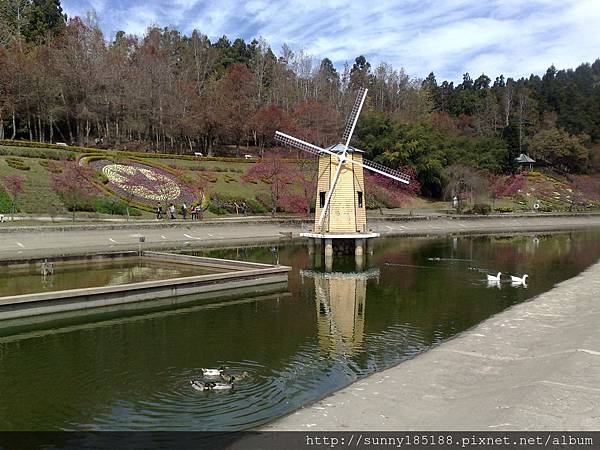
142,183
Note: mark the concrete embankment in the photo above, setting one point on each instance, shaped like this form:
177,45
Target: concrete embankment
535,366
45,241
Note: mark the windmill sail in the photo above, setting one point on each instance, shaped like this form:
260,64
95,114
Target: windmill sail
298,143
358,104
366,164
383,170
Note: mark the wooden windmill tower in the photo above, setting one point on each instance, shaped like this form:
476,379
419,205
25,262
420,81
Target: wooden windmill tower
340,201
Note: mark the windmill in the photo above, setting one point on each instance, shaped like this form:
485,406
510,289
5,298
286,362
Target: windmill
340,201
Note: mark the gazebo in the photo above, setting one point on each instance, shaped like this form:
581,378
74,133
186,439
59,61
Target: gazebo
524,160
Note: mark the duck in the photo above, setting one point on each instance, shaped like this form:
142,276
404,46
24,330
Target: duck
200,385
221,386
522,280
494,278
213,372
230,377
210,385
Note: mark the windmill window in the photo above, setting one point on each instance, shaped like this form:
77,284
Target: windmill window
360,199
322,199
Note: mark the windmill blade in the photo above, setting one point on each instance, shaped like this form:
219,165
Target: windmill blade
298,143
358,104
383,170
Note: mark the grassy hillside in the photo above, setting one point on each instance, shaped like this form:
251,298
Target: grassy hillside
223,179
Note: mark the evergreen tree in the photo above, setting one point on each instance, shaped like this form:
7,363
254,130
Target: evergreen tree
46,17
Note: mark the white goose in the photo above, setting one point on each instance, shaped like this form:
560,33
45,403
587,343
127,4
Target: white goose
519,280
213,372
494,278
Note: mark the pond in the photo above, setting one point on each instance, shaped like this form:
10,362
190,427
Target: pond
110,272
133,373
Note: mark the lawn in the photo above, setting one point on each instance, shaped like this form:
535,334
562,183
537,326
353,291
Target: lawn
224,177
37,195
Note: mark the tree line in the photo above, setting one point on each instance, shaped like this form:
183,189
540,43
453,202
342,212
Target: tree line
63,80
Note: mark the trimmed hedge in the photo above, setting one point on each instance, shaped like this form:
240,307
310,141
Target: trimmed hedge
39,145
17,163
39,154
50,166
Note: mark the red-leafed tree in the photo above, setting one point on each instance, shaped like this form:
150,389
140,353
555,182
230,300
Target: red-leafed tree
265,122
389,193
279,175
237,91
318,122
73,185
506,186
13,184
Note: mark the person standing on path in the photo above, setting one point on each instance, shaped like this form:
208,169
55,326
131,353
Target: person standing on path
184,211
172,211
159,211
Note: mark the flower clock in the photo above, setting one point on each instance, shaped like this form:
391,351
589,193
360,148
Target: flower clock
144,182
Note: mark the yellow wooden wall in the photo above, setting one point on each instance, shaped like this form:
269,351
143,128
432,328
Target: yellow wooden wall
344,214
322,186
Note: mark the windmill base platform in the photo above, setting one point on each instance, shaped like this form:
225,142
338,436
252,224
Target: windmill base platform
341,244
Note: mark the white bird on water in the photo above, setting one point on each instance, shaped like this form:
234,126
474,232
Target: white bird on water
518,280
494,278
213,372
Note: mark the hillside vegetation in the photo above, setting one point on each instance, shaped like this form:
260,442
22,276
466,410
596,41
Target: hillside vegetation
223,185
164,96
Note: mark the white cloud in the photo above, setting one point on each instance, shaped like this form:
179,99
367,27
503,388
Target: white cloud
513,37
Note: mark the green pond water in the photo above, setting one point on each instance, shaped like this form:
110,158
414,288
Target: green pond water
17,281
329,329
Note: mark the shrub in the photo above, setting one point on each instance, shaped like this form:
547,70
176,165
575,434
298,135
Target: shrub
5,202
504,210
255,206
264,199
224,203
481,208
100,177
50,166
106,205
215,208
17,163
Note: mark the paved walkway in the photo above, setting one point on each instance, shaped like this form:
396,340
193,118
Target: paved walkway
535,366
47,241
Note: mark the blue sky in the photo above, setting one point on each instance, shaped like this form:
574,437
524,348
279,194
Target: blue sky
449,37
